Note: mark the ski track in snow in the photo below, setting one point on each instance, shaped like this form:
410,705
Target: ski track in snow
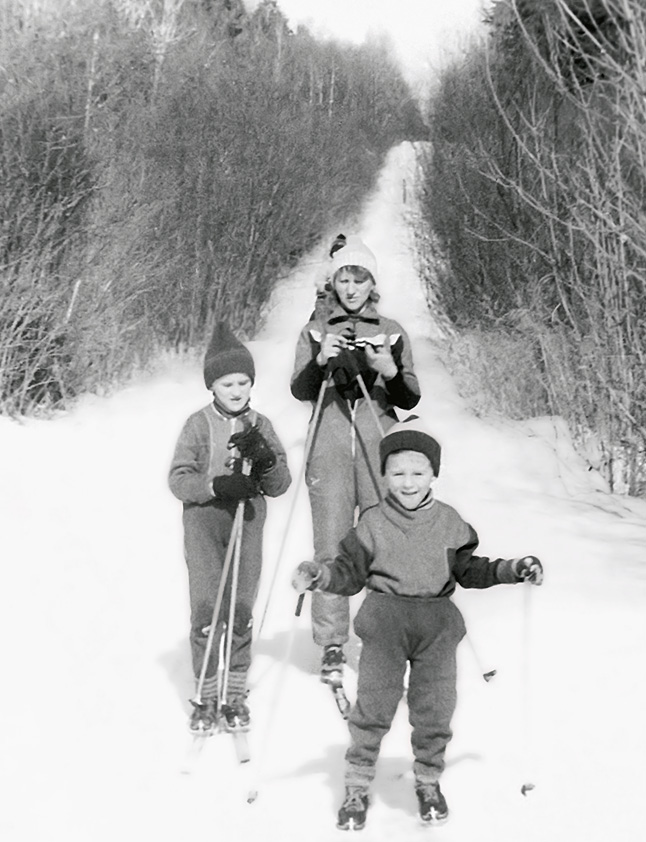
94,620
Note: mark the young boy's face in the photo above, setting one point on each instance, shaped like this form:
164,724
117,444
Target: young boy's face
409,476
352,288
232,391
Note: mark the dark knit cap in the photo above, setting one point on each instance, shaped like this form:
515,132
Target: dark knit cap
410,435
226,355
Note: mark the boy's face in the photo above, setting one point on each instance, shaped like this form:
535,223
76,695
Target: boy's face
409,476
232,391
352,289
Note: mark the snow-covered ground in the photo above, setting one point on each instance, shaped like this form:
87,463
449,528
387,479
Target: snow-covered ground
94,622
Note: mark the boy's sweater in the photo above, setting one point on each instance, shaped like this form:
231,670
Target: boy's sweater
201,453
420,553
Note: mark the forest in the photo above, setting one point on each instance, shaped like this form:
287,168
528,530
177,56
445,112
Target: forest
534,225
164,163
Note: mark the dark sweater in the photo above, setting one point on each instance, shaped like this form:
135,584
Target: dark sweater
421,553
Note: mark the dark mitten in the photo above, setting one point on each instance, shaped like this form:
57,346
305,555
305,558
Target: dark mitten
235,487
253,446
345,368
528,569
306,576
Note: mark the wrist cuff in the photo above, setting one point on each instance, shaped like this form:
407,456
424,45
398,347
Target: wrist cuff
505,572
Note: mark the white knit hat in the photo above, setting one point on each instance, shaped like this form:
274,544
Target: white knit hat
354,253
410,434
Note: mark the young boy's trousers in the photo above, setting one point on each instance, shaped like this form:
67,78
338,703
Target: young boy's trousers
397,630
207,532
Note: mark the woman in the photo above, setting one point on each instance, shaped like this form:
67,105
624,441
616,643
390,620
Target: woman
363,363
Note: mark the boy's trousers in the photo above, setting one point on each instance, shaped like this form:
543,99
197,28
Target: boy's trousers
396,630
207,532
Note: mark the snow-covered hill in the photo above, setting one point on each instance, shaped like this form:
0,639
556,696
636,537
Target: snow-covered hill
94,621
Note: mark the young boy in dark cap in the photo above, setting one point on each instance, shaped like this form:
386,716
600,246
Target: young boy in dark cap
207,475
409,552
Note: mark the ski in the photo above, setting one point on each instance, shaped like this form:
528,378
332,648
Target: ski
334,681
240,742
199,741
342,701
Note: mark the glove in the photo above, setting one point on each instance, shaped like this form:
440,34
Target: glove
235,487
346,365
253,446
306,576
528,569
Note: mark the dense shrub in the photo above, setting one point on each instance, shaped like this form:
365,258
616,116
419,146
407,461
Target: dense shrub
163,164
535,196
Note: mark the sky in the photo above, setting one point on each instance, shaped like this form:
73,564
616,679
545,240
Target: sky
422,30
94,617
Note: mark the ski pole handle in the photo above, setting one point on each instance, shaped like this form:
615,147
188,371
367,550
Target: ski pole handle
299,604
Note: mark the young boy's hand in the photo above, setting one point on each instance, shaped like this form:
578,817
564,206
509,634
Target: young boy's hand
253,446
306,576
528,569
234,487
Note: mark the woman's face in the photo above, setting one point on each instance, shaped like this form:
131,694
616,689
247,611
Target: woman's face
352,289
232,391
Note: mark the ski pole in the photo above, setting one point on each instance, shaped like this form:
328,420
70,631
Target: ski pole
272,711
365,393
237,525
486,674
309,441
232,609
526,702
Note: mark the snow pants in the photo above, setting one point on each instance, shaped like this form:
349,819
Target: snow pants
207,532
396,631
343,479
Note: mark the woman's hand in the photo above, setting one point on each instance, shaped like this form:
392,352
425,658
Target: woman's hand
380,359
331,346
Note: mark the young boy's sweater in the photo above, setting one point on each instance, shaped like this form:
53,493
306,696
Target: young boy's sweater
419,553
202,453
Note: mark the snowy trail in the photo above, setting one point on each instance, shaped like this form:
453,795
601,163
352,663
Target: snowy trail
94,621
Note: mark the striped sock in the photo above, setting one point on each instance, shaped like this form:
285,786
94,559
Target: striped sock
236,686
210,689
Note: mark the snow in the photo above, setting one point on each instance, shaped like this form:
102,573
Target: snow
94,620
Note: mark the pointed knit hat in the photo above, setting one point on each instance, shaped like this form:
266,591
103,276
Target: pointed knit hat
226,355
410,434
354,253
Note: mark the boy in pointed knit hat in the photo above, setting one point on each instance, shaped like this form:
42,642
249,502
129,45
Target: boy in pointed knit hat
226,453
363,362
410,551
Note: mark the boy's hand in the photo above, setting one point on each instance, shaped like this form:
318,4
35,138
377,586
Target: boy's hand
253,446
528,569
380,359
234,487
306,576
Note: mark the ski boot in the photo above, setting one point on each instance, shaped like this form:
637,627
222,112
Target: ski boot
235,715
204,718
432,804
332,675
332,664
352,815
